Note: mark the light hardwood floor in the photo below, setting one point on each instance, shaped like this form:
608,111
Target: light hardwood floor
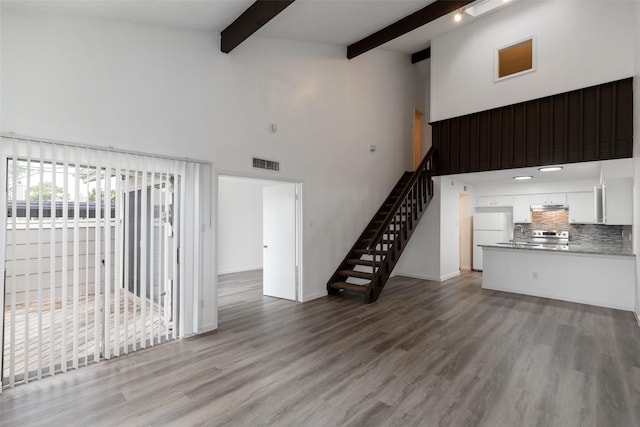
425,354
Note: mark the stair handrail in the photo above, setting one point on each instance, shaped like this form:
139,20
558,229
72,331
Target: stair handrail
426,166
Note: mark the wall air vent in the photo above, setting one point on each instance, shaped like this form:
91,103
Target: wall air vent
266,164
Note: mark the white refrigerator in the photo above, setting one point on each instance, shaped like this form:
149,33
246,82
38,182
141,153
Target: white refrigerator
489,228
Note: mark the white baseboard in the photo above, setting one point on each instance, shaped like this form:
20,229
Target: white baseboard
313,296
207,328
240,270
430,278
450,276
560,298
419,276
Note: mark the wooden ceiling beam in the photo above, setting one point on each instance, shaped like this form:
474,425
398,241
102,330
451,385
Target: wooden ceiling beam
409,23
421,55
251,20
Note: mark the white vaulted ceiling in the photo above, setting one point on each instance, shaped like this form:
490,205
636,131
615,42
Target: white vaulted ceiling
339,22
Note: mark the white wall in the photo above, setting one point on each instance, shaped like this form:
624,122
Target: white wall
172,92
419,259
578,45
433,253
239,225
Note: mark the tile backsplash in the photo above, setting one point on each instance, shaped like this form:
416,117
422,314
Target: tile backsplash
550,220
611,236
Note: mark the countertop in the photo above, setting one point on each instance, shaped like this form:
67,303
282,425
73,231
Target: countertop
570,248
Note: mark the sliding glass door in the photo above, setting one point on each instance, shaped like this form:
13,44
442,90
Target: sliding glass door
91,257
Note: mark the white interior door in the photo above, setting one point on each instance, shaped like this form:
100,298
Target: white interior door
279,241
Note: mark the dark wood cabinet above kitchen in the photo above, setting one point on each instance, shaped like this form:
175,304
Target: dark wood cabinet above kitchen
589,124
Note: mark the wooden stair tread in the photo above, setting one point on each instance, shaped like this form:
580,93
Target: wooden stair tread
350,287
366,262
366,252
358,274
383,241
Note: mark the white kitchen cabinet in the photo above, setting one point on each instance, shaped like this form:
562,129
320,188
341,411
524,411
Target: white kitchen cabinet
522,209
484,201
538,199
600,280
548,199
494,201
617,201
557,198
582,208
503,200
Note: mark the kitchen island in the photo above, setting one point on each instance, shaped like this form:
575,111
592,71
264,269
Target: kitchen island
585,274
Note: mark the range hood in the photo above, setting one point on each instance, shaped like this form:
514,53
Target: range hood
545,208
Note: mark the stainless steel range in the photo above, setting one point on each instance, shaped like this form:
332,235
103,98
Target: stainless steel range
551,239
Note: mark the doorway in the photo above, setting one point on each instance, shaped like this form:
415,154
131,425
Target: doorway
417,139
259,240
466,231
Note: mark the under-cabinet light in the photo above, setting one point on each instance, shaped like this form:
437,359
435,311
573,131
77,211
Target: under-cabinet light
522,178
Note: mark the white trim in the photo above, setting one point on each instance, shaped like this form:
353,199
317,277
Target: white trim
449,276
560,298
314,296
255,175
534,54
207,328
240,270
197,249
299,244
429,278
3,238
420,277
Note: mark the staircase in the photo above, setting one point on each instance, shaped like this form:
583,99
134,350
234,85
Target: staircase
368,265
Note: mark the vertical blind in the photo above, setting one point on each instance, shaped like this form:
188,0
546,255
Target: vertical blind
91,244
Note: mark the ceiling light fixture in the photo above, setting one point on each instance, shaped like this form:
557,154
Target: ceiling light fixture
484,7
522,177
550,168
458,16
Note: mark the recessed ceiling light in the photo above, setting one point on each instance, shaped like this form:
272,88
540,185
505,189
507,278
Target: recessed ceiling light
457,17
550,168
522,178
